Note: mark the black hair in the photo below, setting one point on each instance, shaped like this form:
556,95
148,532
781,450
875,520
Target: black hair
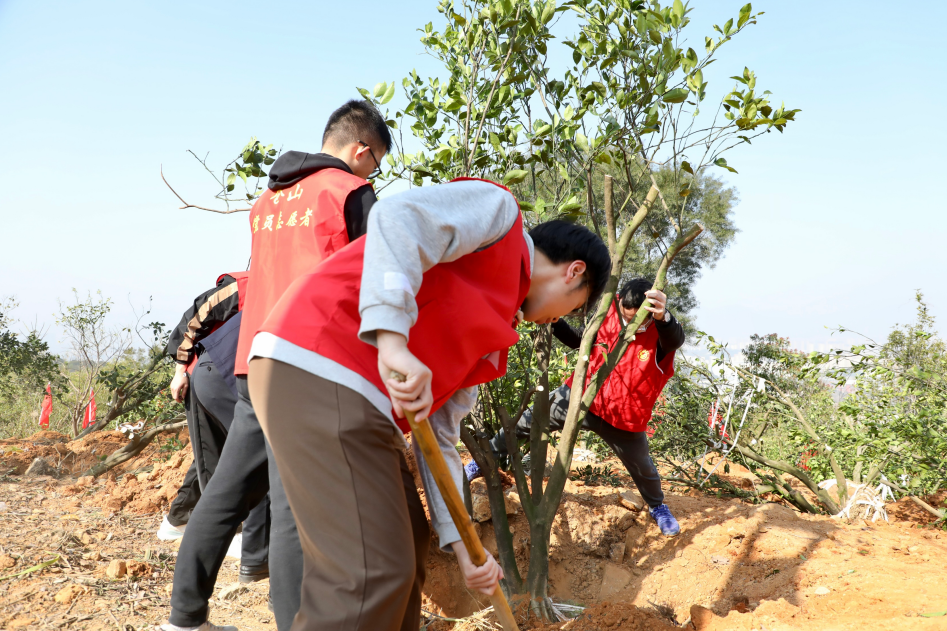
357,120
632,293
564,242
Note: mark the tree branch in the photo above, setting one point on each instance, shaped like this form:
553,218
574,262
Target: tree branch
132,448
578,406
187,205
796,472
486,106
610,215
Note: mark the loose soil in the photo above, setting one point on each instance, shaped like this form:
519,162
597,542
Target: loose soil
734,565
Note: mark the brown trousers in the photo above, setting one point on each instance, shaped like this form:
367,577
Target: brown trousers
361,524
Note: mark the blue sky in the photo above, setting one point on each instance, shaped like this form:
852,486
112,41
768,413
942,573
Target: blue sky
841,218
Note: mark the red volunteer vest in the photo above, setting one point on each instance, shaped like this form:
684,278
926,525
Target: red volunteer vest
626,399
293,231
241,278
466,312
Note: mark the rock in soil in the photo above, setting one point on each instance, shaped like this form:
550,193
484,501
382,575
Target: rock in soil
68,594
117,569
41,467
701,617
232,591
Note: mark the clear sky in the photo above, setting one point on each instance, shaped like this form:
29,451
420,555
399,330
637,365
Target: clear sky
841,218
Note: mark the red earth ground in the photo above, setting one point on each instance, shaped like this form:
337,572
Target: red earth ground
734,565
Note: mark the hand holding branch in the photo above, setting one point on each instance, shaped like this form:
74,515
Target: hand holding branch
657,303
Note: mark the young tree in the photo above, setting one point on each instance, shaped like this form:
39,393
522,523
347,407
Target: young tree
626,114
103,359
615,140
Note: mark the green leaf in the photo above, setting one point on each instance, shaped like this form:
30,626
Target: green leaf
721,162
528,207
698,80
678,8
515,177
570,206
677,95
389,93
687,167
603,158
581,142
568,113
934,614
548,12
380,89
365,93
744,14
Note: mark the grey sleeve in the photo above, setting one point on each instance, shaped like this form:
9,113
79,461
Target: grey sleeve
411,232
446,425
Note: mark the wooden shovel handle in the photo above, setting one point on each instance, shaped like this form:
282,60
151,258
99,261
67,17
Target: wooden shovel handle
423,435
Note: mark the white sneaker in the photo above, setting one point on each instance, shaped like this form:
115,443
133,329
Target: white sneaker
236,547
167,532
207,626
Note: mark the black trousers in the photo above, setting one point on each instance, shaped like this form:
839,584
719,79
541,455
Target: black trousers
210,407
630,447
243,477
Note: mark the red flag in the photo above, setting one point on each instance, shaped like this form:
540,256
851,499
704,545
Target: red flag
88,418
47,408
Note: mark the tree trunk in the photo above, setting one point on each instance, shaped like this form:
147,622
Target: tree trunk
131,449
539,430
794,471
541,514
537,579
480,451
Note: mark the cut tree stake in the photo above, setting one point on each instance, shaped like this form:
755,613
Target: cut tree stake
424,435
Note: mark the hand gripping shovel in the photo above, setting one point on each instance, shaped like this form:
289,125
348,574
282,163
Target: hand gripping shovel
424,436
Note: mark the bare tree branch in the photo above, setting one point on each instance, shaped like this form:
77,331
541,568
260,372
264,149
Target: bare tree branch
187,205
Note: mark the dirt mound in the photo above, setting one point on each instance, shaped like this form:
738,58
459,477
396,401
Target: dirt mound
142,494
750,566
16,454
739,566
74,457
614,617
905,509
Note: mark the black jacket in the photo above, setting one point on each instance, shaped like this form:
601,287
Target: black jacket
214,306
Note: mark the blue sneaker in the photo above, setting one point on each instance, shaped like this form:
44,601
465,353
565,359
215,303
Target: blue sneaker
472,471
666,522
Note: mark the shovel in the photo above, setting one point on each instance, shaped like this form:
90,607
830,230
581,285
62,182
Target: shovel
424,435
